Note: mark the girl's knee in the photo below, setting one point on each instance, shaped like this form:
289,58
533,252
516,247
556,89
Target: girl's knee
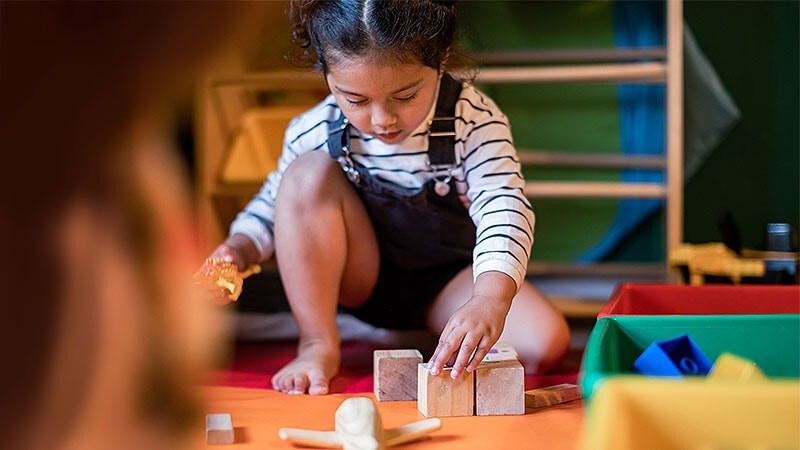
548,353
311,174
543,350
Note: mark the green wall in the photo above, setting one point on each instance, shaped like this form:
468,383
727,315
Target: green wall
754,172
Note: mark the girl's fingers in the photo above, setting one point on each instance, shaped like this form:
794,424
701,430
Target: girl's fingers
443,353
465,352
483,349
436,362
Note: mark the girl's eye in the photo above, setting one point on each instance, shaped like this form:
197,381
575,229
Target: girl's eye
355,102
407,99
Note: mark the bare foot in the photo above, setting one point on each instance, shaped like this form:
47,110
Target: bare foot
316,363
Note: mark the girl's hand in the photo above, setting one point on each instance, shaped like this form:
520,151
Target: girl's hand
228,254
220,282
237,249
474,327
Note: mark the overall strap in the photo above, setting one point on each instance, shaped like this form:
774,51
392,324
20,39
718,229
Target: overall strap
441,142
338,137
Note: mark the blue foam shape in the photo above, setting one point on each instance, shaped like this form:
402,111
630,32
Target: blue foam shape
673,358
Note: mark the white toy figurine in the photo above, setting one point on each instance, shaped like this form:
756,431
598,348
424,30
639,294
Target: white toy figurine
359,427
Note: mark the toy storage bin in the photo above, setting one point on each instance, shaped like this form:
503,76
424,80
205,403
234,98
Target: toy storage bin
772,341
663,299
632,413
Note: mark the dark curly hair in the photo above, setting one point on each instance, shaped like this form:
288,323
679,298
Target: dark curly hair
328,32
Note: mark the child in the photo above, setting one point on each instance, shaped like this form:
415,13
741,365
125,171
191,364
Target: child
398,198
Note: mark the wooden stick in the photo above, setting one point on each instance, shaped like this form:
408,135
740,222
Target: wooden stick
590,160
561,189
648,72
568,55
674,144
552,395
649,271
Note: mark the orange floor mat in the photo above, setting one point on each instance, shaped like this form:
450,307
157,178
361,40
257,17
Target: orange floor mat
258,414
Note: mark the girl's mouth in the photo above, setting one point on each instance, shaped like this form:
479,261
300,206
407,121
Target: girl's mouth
388,136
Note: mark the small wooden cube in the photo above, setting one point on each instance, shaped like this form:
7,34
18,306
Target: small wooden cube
500,388
395,374
219,429
443,396
552,395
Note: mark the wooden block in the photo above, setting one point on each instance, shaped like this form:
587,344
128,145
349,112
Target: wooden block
500,352
395,374
552,395
219,429
500,388
443,396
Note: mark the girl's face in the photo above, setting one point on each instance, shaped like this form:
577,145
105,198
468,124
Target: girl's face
385,100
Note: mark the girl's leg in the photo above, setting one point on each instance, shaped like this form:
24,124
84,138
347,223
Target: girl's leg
327,254
537,331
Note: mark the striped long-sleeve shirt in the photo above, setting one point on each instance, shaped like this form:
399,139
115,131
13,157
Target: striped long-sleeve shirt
487,175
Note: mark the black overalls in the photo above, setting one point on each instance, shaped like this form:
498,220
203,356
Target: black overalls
425,238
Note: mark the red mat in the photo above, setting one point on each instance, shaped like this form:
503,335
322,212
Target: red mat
253,364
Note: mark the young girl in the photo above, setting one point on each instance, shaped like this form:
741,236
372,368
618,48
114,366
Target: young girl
398,198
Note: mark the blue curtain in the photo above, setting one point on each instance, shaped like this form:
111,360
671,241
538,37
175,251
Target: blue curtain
642,109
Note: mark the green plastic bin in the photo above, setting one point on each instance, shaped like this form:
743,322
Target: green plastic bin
772,341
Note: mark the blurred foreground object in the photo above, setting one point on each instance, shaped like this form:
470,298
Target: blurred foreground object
102,334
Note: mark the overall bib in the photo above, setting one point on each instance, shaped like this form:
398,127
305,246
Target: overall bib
425,235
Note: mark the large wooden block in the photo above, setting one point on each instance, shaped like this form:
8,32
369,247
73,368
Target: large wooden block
395,374
219,429
443,396
500,388
552,395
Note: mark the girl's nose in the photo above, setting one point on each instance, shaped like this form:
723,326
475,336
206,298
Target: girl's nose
383,117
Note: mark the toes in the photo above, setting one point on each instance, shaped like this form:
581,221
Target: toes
280,382
299,384
276,382
319,383
289,383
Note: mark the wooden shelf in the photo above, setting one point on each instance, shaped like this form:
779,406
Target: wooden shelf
581,189
648,72
551,56
600,270
590,160
663,65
